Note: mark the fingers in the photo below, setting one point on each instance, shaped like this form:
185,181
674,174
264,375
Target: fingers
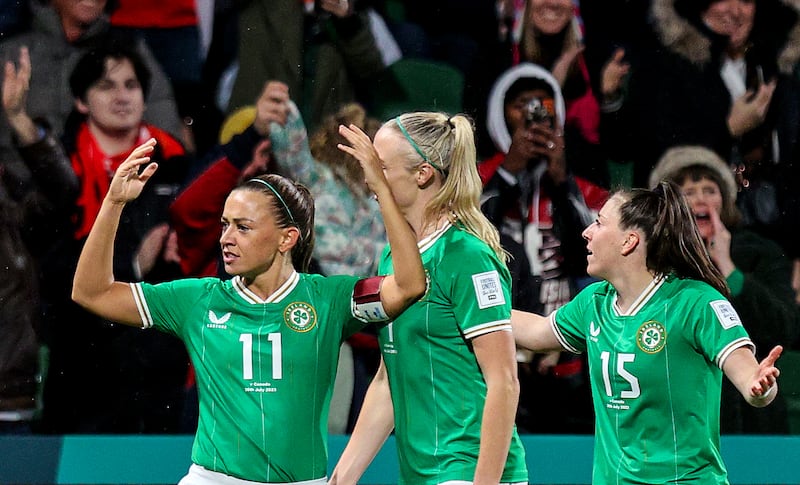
773,356
24,72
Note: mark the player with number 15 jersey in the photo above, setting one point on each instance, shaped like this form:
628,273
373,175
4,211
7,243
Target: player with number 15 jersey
646,359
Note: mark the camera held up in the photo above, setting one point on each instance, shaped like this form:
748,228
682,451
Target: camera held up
536,112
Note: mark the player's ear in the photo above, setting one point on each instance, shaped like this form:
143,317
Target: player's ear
630,243
290,237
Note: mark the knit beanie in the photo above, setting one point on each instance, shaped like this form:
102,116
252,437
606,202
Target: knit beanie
680,157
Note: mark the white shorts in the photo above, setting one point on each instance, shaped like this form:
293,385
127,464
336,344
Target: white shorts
202,476
464,482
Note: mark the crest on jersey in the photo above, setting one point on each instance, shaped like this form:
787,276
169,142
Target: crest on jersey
651,337
300,316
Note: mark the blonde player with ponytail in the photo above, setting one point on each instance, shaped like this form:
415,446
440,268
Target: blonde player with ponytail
447,383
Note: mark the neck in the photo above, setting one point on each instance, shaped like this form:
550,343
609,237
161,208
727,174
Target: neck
267,283
72,30
113,143
630,286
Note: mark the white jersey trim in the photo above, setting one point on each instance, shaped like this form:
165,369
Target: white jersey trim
642,299
141,305
428,241
483,329
560,336
728,350
279,294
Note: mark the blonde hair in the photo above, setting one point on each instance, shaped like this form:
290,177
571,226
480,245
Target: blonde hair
323,144
447,143
529,47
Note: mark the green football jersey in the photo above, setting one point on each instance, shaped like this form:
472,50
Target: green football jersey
438,391
656,378
264,368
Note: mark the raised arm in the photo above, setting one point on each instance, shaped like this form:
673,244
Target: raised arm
533,332
375,423
756,381
407,284
94,286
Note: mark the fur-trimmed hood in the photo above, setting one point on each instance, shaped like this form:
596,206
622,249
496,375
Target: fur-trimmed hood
681,36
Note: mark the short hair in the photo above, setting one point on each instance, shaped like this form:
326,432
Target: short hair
91,67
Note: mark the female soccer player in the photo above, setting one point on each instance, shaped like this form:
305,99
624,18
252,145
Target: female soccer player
447,383
659,333
264,344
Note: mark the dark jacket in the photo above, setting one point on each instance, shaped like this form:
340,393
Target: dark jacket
34,199
676,95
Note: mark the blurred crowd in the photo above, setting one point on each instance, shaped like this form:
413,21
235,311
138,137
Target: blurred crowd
569,100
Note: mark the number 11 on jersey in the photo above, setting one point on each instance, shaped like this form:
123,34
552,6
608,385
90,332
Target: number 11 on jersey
247,355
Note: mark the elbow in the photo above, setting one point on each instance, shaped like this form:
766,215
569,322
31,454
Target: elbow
79,296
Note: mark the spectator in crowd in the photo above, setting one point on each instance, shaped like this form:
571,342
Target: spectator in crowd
37,190
61,32
105,378
676,93
755,268
324,51
172,33
762,48
540,208
551,35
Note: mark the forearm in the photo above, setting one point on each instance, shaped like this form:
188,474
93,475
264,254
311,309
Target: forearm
409,275
496,430
375,423
533,332
25,130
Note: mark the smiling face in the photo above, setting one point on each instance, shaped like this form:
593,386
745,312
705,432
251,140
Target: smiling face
732,18
703,197
551,16
250,238
114,104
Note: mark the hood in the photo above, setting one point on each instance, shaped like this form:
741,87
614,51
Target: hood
495,117
680,157
685,38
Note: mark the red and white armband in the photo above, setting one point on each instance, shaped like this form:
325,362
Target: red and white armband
366,303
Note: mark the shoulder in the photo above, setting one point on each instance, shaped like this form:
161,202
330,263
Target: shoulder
691,291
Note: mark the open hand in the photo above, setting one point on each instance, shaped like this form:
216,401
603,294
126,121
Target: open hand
361,149
128,182
767,374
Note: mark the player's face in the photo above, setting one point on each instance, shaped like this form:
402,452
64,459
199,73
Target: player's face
114,104
250,237
551,16
392,149
703,197
604,240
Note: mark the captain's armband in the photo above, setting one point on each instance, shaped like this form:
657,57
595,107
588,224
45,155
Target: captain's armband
366,304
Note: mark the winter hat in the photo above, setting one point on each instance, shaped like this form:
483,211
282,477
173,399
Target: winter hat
677,158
